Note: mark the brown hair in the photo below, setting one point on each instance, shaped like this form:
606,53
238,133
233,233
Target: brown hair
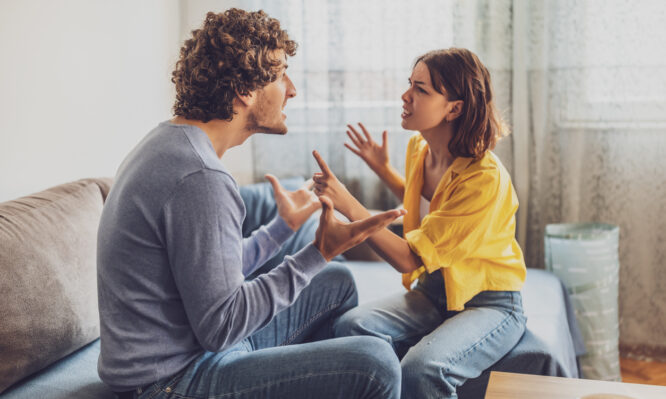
463,77
231,54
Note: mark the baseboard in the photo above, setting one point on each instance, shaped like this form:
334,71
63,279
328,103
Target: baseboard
644,352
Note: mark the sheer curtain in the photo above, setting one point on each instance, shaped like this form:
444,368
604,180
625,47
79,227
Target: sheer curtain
583,83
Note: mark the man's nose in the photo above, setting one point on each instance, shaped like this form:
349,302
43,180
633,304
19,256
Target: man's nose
291,89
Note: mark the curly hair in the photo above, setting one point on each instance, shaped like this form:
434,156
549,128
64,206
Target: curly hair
462,75
231,54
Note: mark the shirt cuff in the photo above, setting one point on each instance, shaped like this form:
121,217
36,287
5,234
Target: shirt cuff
310,260
425,249
279,230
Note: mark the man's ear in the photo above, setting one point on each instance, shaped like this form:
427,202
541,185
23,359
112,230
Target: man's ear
456,110
246,99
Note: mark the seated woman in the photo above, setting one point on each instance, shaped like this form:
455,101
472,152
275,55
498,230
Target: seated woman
465,312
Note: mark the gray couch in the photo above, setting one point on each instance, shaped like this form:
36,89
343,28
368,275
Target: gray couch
49,331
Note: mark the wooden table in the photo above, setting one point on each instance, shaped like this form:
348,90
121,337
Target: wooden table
523,386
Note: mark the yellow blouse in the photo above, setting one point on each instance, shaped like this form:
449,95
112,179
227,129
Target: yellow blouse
469,233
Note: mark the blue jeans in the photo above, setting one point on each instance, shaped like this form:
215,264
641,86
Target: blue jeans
290,357
440,349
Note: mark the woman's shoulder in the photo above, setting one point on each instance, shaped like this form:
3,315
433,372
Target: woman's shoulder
488,168
416,141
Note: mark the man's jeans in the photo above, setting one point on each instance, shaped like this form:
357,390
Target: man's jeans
442,349
292,356
275,363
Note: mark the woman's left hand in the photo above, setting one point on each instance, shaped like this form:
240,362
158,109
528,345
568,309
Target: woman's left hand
326,183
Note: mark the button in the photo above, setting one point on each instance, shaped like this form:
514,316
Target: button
167,389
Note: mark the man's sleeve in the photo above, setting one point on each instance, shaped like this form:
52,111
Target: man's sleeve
263,243
202,222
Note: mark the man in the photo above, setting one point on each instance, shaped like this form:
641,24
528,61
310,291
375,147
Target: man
178,318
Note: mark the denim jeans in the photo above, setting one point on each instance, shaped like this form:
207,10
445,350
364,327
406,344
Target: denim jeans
440,349
290,357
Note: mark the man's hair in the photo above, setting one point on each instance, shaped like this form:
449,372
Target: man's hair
463,77
232,54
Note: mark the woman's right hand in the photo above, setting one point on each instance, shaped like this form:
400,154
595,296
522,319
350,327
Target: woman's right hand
375,155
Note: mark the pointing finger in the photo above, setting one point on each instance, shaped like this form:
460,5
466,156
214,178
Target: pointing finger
322,165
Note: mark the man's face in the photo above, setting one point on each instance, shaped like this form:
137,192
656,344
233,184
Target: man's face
266,113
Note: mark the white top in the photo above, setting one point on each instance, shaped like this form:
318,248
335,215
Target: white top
424,208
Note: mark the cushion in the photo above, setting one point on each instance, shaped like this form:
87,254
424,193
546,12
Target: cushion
48,288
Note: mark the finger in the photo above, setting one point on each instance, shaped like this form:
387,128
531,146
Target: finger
322,165
326,208
384,137
277,188
353,150
308,184
357,135
353,139
377,222
365,132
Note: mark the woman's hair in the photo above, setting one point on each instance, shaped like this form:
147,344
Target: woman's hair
463,77
231,54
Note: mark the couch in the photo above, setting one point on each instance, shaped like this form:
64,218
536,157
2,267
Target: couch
49,334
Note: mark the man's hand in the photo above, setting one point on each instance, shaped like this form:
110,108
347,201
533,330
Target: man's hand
326,183
333,237
295,207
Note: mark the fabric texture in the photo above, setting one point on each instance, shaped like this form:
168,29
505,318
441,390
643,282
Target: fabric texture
172,261
293,357
440,350
469,233
48,289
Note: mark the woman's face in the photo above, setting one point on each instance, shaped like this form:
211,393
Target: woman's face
423,107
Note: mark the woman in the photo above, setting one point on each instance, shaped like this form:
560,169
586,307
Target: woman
465,311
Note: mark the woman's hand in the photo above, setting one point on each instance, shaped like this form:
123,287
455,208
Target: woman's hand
375,155
295,207
326,183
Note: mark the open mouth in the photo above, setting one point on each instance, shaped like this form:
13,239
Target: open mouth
405,113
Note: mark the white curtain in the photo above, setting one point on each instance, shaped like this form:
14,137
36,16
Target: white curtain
583,83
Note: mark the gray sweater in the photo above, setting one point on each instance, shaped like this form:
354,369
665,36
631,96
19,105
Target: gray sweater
171,261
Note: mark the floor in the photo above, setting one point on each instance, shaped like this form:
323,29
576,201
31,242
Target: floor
639,372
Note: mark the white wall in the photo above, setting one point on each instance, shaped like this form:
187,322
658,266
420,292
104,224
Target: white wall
81,82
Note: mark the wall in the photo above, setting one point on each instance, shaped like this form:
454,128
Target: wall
81,82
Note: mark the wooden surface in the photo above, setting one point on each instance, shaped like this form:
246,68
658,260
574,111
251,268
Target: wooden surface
642,372
524,386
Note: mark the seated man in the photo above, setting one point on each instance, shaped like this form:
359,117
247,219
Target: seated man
178,317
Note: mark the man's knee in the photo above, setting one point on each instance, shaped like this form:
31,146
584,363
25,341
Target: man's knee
376,359
338,276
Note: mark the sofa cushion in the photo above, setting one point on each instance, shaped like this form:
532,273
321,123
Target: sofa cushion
48,290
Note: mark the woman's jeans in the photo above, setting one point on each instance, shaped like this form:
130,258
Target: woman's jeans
440,349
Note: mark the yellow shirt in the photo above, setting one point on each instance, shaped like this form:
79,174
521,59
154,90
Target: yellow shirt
469,233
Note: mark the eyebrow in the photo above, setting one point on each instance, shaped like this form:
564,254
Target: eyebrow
418,82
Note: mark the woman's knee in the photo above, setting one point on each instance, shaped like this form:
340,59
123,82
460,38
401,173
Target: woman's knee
352,323
422,374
